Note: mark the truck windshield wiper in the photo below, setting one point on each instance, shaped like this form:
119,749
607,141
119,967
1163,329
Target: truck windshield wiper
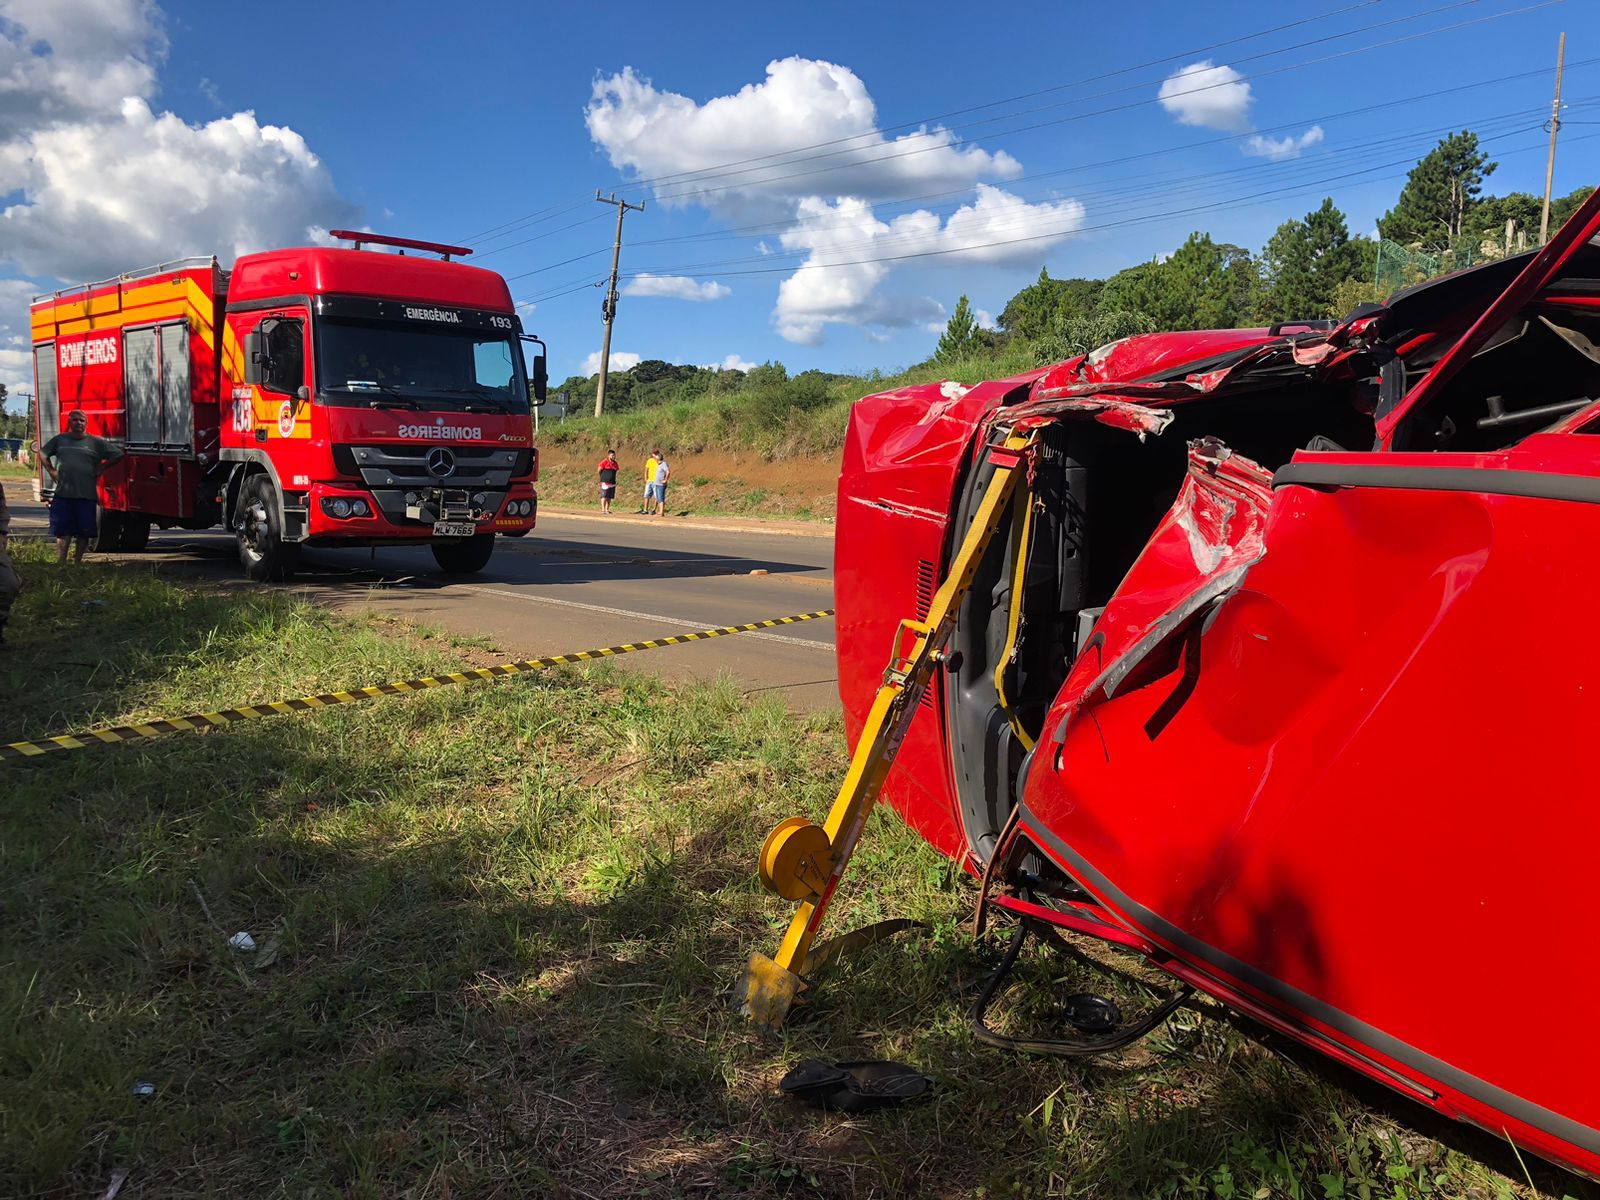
478,389
399,400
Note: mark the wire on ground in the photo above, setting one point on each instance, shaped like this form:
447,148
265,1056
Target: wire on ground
200,722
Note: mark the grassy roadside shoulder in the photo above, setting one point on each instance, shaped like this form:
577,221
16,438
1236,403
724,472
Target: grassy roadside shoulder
496,926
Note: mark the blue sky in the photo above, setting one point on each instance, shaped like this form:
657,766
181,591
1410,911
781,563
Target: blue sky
495,123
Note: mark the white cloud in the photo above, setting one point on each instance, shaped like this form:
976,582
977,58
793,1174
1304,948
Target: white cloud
1211,96
802,144
676,287
834,285
621,360
106,183
984,318
142,187
802,102
16,362
732,363
1279,149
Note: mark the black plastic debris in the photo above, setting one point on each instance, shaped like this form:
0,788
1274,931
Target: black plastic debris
1088,1013
856,1086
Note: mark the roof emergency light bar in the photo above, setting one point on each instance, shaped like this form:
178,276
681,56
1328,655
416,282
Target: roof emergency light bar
383,239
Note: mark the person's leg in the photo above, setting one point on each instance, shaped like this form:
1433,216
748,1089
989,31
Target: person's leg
60,529
81,515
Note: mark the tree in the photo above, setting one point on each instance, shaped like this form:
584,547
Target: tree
1440,192
1080,332
959,337
1039,308
1305,262
1202,285
1350,293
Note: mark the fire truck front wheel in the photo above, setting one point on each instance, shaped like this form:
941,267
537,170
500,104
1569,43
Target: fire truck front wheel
110,530
465,557
267,558
135,532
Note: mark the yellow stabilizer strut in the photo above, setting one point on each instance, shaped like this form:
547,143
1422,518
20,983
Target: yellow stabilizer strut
804,862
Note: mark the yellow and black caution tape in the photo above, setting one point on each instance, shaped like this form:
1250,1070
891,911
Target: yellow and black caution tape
196,722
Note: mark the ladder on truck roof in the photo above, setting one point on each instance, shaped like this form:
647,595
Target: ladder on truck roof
177,264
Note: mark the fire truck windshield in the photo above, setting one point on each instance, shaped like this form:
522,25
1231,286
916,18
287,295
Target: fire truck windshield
359,363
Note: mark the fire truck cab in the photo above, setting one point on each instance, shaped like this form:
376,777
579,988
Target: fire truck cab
309,396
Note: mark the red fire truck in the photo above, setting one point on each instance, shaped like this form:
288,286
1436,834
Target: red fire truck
306,397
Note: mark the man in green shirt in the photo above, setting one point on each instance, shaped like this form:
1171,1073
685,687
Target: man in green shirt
80,460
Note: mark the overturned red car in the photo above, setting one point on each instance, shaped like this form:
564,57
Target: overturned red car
1275,673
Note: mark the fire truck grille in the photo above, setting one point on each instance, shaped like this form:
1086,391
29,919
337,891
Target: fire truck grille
422,465
437,481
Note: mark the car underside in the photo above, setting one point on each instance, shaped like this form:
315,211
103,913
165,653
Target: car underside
1270,672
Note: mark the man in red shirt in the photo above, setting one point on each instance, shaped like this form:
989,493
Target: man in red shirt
608,480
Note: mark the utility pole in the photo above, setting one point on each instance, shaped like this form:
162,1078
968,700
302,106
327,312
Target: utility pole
1555,125
608,309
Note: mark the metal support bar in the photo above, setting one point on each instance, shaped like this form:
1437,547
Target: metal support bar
803,862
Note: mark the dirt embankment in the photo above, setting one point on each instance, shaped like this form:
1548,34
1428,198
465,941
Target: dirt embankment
709,483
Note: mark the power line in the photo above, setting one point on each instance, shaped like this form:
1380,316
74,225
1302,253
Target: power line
698,191
1139,188
706,174
1141,156
880,131
700,270
1142,182
1257,197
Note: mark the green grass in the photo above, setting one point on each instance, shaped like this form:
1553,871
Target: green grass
11,469
502,921
762,423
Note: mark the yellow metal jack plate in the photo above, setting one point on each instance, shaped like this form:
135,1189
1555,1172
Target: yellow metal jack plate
766,992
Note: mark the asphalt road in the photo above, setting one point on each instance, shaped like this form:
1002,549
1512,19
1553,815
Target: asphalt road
578,583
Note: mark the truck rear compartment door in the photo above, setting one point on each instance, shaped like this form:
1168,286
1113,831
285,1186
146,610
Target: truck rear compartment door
142,392
177,405
46,396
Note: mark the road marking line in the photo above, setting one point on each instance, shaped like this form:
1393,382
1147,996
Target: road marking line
805,643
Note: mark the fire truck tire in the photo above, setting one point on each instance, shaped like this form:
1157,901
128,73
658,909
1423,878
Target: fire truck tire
465,557
135,533
266,557
110,530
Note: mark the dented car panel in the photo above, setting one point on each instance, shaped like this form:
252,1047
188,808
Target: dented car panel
1282,708
1368,775
1198,554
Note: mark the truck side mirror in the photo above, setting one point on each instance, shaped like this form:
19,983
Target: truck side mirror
254,364
541,378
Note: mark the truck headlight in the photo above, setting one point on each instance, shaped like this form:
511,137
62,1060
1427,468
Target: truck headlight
359,507
339,507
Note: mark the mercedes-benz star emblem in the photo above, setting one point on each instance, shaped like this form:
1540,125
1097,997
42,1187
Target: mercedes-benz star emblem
441,462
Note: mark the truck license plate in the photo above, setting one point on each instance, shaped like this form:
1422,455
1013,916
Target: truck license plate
454,529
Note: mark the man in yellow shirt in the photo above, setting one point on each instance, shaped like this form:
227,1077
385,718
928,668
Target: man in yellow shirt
650,465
